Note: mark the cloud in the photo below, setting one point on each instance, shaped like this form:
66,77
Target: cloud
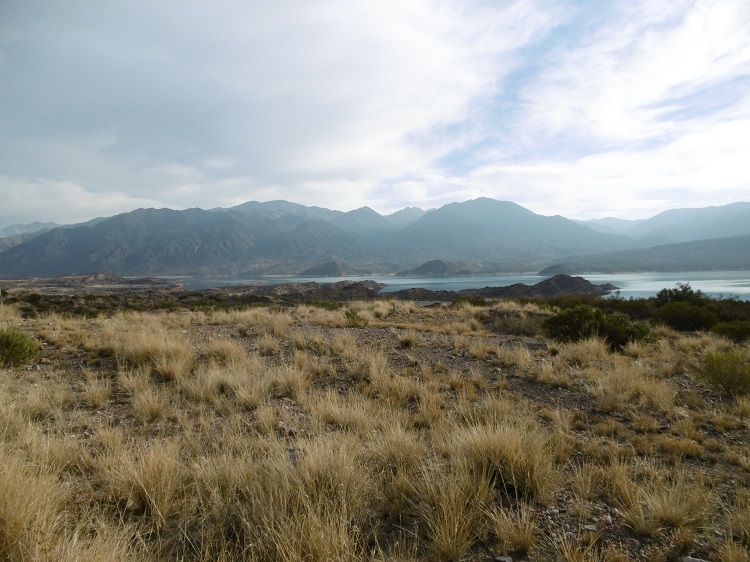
62,202
344,103
641,74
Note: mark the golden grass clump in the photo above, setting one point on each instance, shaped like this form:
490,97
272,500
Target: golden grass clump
515,529
664,499
452,502
32,508
517,459
143,341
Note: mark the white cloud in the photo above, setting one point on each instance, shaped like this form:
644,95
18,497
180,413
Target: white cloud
621,84
61,202
567,107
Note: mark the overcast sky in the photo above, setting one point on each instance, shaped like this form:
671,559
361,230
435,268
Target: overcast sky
584,108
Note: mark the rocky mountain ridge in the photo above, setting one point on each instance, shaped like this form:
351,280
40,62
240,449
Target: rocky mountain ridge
484,236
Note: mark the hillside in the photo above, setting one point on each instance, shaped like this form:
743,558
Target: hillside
685,225
721,254
279,237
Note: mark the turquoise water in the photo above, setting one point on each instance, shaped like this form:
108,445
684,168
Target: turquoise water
713,283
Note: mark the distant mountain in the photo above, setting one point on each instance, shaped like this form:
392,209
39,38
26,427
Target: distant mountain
685,225
610,225
718,254
272,210
279,237
363,221
162,241
486,230
16,229
16,234
404,217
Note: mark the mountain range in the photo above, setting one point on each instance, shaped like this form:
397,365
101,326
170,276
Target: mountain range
480,236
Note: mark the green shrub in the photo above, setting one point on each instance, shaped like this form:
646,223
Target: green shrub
682,293
737,330
727,372
16,347
574,324
619,330
355,320
685,316
583,322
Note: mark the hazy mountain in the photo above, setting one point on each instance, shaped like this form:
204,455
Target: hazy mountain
363,221
284,238
404,217
16,234
486,229
684,225
610,225
15,229
277,209
717,254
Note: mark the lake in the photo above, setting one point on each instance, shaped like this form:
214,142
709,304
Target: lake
639,285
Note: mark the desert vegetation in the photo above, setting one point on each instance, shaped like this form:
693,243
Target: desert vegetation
382,430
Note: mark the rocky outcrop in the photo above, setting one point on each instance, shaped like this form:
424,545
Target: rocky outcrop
330,269
556,286
312,291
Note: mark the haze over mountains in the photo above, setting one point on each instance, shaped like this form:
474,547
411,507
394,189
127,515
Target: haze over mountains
480,236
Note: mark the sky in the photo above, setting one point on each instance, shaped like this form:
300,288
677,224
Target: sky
582,108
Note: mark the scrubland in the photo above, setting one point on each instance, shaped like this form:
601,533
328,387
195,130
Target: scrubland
376,431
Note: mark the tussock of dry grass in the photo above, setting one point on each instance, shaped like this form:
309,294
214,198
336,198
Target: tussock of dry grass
516,458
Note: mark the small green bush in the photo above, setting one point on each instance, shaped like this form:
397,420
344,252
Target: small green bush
16,347
355,320
726,371
583,322
737,330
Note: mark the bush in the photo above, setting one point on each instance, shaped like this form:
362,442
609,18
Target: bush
682,293
355,320
619,330
727,372
16,347
685,316
737,330
584,322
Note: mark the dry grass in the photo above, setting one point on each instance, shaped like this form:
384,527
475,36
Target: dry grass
665,500
282,435
516,458
514,529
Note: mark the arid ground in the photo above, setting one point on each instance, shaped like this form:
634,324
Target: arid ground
375,430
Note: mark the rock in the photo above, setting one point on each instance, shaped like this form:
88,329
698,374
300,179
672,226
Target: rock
593,528
691,559
632,544
503,559
134,504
